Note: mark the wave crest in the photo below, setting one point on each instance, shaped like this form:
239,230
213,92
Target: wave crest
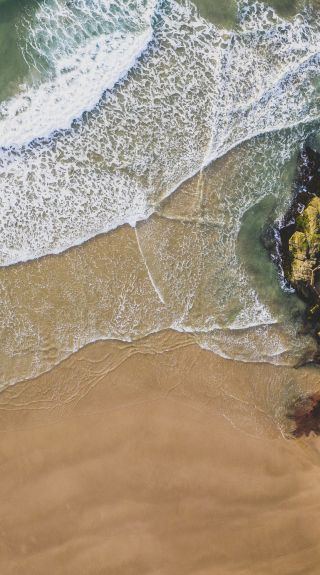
75,52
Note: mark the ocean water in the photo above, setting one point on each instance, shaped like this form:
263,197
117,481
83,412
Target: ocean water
173,130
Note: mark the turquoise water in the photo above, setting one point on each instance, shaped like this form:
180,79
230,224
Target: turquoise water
183,122
13,13
13,68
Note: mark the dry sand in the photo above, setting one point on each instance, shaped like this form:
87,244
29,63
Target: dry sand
157,458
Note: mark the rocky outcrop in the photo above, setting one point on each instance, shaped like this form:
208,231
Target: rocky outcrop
305,413
304,248
300,239
298,257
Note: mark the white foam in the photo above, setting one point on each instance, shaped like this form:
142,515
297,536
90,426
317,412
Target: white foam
78,53
79,83
198,92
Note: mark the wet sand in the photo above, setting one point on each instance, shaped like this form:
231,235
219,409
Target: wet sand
161,458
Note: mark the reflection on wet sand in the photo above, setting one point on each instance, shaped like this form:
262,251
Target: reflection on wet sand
157,457
184,267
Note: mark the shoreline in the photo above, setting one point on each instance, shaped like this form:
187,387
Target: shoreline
154,346
157,457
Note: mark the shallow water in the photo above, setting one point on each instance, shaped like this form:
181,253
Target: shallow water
145,147
13,68
157,457
184,123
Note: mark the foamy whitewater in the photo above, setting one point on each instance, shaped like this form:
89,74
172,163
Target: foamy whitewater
82,49
171,95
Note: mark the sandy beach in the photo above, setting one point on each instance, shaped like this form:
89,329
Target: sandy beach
159,458
151,154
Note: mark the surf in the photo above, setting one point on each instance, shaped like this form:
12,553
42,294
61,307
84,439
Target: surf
75,51
205,114
199,92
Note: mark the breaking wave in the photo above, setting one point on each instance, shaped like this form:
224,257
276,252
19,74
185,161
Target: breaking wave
75,50
199,92
186,104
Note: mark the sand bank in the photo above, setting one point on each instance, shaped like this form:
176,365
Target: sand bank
157,457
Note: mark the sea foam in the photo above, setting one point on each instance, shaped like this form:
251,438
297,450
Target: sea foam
76,54
197,93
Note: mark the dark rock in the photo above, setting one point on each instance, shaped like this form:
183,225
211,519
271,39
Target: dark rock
306,415
296,249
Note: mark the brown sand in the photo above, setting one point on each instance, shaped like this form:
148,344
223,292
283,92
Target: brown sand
159,458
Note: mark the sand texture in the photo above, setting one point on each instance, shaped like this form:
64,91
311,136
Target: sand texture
157,458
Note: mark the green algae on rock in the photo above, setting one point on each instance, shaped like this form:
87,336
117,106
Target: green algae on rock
304,246
300,239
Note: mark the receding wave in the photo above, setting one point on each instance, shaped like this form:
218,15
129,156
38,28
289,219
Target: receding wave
197,93
200,91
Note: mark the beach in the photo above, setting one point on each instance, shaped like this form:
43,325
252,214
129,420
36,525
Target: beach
159,362
157,457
